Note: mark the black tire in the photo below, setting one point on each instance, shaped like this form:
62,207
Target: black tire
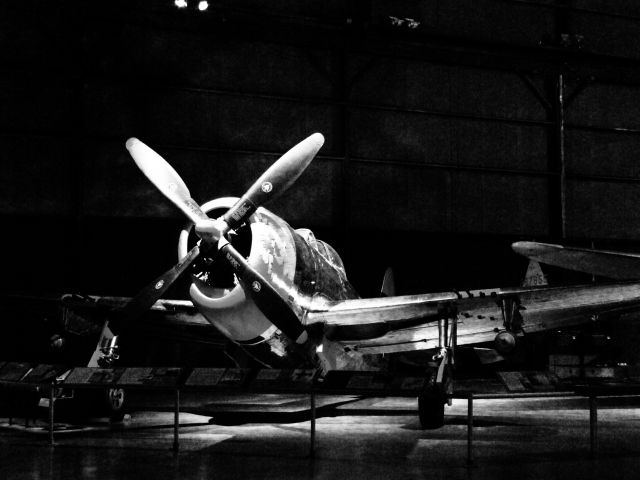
100,403
431,411
114,399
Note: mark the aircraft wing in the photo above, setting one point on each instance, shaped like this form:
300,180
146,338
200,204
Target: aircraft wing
177,320
96,308
119,302
373,317
404,323
616,265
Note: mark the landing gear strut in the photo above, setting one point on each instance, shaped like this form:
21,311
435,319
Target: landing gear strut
106,352
109,402
506,341
109,352
439,386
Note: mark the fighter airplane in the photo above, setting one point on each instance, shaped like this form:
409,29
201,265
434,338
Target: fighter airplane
282,295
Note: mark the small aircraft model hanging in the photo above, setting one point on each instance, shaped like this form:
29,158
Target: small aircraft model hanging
283,296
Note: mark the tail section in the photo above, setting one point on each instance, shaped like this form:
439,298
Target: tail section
534,277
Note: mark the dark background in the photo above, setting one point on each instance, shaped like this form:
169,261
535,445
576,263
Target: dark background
444,143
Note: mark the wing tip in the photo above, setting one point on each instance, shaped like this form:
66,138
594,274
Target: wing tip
132,142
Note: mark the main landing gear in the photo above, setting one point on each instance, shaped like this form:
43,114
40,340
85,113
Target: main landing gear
109,402
438,388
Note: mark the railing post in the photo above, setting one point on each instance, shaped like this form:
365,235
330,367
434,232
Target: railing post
593,425
51,414
176,422
312,446
470,429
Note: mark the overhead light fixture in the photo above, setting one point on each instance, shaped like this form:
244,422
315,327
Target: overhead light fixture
180,3
203,5
396,22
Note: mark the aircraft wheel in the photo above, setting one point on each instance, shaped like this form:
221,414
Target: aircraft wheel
114,399
431,410
101,403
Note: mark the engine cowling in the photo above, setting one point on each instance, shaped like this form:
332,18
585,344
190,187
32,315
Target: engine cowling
301,268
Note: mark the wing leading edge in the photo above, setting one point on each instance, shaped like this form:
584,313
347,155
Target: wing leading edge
374,317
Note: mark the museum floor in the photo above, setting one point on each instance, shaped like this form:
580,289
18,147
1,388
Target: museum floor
523,439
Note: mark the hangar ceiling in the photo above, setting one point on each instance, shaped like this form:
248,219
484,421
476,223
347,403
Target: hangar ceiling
452,129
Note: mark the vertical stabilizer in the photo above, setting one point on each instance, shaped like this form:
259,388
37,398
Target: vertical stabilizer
388,284
534,277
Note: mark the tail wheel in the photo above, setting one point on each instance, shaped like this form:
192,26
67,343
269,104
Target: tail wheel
108,403
114,401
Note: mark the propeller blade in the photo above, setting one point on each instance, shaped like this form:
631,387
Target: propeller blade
278,177
150,294
266,298
165,178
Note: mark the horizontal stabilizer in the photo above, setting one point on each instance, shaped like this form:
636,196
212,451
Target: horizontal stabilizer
617,265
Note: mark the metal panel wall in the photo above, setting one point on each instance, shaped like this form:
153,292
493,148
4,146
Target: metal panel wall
449,129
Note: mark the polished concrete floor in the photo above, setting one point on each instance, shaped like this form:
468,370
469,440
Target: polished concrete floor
516,439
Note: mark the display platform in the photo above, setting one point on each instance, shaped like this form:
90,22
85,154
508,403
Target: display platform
299,384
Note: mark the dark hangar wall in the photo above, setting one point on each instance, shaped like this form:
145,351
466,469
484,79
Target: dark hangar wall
444,142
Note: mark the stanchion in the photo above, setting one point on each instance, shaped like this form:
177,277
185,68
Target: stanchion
51,415
593,425
312,446
176,422
470,429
